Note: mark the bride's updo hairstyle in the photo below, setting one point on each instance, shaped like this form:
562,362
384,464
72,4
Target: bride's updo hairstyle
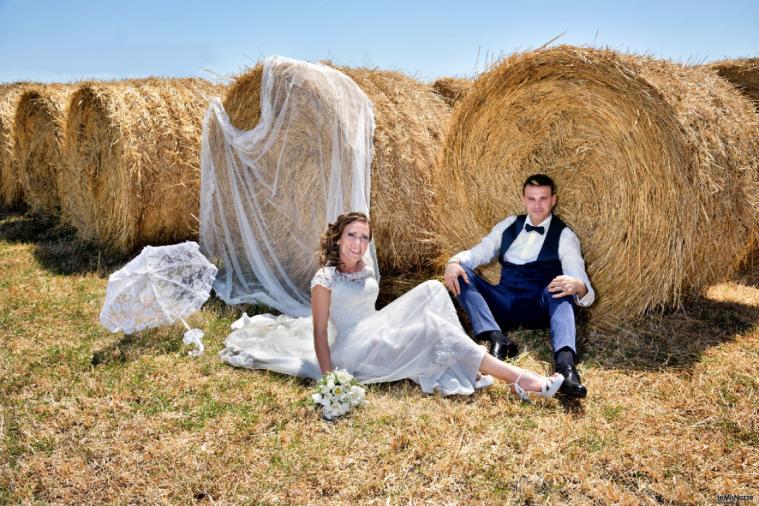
329,251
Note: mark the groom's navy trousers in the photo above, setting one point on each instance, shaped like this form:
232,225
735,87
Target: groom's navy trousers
521,298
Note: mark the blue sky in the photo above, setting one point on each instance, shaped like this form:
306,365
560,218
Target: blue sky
69,40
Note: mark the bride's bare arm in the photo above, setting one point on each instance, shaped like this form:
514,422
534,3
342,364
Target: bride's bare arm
320,297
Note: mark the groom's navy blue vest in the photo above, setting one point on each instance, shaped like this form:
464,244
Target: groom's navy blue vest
532,276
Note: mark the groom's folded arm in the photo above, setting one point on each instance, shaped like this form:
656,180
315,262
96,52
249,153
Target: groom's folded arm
572,264
486,250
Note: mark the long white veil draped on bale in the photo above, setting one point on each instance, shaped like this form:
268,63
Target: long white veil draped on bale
267,194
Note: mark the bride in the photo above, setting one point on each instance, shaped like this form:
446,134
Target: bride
418,336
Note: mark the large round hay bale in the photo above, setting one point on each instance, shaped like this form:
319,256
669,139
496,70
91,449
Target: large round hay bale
10,186
39,123
132,173
655,162
743,73
410,119
452,89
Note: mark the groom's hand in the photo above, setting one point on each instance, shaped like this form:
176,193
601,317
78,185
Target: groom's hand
451,277
561,286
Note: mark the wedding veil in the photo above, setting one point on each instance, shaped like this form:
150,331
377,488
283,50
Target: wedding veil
268,193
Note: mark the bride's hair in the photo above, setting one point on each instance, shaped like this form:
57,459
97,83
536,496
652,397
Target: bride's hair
329,250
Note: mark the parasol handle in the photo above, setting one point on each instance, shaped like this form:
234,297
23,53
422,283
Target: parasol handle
184,323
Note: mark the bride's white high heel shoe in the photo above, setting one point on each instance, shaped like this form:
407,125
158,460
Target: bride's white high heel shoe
550,386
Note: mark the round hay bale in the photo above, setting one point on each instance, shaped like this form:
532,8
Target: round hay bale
10,186
742,73
131,173
655,163
410,119
452,89
39,123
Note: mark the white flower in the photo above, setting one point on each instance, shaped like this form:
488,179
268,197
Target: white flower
337,392
343,376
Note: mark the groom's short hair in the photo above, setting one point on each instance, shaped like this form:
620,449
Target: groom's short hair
539,180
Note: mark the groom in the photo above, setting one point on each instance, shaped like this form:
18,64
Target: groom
542,276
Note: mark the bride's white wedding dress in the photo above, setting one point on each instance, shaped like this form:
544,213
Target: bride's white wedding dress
418,336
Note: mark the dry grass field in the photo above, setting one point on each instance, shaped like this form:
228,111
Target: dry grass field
87,417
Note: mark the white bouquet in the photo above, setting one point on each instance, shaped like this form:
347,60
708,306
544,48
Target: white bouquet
338,393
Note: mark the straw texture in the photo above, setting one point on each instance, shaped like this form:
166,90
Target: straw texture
452,89
656,167
742,73
10,186
132,172
39,122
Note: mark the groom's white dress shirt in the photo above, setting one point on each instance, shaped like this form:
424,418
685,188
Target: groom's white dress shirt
526,248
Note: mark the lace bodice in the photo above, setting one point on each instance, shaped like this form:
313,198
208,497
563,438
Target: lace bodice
353,296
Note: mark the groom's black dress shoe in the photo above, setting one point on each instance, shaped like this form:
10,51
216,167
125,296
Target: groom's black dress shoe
502,346
572,386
